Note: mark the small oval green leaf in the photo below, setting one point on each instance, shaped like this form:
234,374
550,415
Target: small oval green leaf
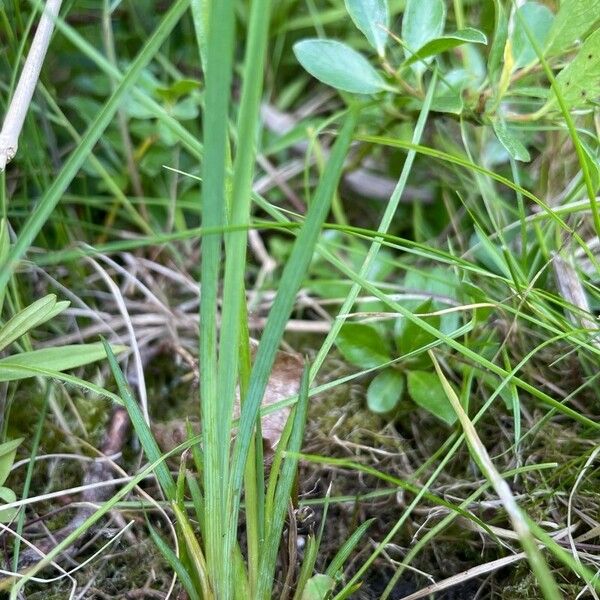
538,19
423,20
447,42
7,457
510,141
339,66
362,345
385,391
427,392
371,17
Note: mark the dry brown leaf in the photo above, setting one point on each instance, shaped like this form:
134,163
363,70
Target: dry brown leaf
283,383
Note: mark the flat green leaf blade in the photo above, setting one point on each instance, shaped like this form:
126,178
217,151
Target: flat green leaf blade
362,345
372,18
342,555
318,587
447,42
339,66
579,81
574,19
58,359
26,319
385,391
426,391
7,496
142,429
423,20
7,457
510,141
538,19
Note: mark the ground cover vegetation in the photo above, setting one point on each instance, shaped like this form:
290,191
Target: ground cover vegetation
299,300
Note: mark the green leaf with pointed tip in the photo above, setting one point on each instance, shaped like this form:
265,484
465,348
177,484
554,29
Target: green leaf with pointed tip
385,391
538,19
427,392
423,20
579,81
8,497
318,587
362,345
510,141
447,42
33,315
371,17
55,359
409,336
7,457
574,19
339,66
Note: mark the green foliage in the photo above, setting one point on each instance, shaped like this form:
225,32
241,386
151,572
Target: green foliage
579,81
339,66
8,451
423,21
385,391
372,18
426,390
574,19
538,18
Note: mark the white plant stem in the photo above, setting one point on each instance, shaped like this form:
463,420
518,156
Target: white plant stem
19,105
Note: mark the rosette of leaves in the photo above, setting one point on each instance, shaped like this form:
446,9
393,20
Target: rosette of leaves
400,350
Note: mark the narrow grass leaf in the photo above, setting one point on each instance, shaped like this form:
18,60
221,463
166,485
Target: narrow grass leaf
174,563
59,358
480,455
52,196
342,555
291,280
194,551
142,429
540,19
282,495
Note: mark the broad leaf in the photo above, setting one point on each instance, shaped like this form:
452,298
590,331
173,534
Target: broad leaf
579,81
538,19
7,457
574,19
56,359
447,42
362,345
372,18
339,66
385,391
318,587
510,141
409,336
427,392
423,20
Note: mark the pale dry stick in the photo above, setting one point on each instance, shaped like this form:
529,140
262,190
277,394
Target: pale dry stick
19,105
